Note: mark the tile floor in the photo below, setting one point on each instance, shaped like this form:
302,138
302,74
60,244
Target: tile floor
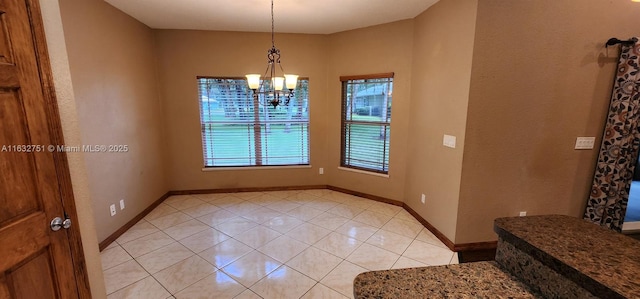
280,244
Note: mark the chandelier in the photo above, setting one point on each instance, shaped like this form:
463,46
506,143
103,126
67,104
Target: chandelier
272,86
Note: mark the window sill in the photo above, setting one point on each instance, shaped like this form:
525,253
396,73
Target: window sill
364,172
207,169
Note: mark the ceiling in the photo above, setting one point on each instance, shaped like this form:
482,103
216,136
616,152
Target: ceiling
291,16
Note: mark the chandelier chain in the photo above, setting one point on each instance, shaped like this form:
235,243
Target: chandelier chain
273,40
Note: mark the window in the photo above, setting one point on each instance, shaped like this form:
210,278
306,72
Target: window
238,131
366,122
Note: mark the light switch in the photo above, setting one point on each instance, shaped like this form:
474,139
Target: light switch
585,142
449,141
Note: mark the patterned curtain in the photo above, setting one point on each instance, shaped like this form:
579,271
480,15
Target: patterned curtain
619,150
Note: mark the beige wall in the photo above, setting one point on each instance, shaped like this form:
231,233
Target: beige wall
442,51
71,131
111,57
185,54
378,49
541,77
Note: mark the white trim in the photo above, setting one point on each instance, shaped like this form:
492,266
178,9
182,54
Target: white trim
364,172
255,167
631,226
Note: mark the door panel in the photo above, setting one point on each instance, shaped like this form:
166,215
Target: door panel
15,179
36,261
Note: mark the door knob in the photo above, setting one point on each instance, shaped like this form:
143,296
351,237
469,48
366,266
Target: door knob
58,223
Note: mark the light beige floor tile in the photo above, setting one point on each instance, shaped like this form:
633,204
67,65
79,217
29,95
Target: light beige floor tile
358,202
405,228
283,206
257,236
183,202
390,241
304,213
243,208
406,216
308,233
265,199
161,210
283,248
216,285
112,245
337,196
250,268
204,240
114,256
176,199
314,263
345,211
283,223
320,291
428,237
185,229
164,257
372,218
284,282
123,275
405,262
373,258
217,217
329,221
235,226
147,244
247,294
302,198
322,204
454,259
225,252
147,288
341,278
226,201
283,193
140,229
170,220
212,196
184,274
429,254
262,215
338,244
384,208
317,192
248,195
357,230
201,210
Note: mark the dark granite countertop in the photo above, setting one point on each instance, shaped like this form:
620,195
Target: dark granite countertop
602,261
474,280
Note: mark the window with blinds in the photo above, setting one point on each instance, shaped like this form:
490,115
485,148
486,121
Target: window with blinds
366,122
238,131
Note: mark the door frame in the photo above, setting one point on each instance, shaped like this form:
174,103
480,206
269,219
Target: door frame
59,157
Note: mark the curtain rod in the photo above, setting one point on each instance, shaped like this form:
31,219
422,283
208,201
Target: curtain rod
614,41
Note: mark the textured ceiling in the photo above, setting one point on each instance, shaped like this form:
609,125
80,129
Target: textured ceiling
291,16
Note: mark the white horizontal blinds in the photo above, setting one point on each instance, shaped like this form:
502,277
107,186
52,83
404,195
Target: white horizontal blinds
366,122
237,131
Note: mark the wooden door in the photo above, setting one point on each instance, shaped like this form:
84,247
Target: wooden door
35,262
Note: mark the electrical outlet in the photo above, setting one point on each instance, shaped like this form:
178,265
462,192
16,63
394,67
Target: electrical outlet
321,170
523,213
423,199
584,142
122,204
112,208
449,141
